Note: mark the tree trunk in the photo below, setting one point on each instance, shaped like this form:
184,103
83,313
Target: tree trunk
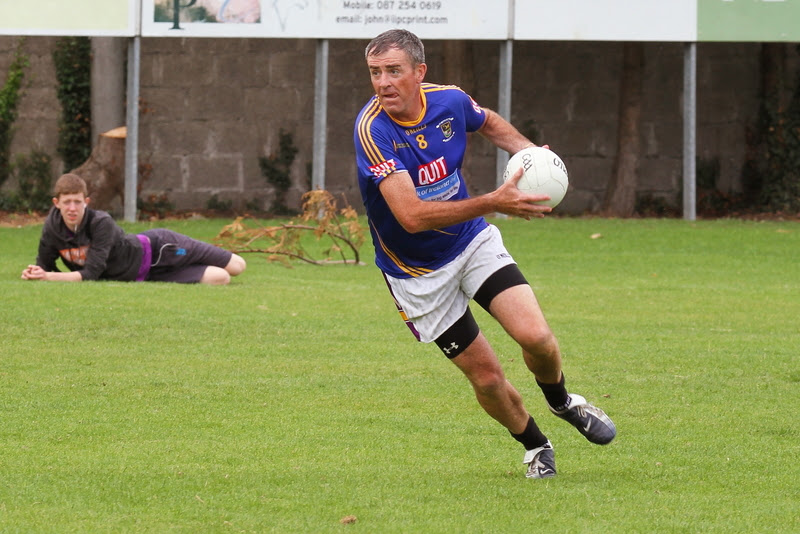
772,100
773,74
620,198
104,171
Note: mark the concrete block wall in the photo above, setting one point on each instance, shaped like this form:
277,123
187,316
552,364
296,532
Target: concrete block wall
211,107
38,111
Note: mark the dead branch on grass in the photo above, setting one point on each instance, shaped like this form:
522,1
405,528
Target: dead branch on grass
283,242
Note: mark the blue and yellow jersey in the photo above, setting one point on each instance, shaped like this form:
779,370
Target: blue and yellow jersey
432,151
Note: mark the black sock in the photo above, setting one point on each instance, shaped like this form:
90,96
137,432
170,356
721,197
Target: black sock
556,394
531,437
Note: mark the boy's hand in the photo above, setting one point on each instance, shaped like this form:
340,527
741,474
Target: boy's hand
33,272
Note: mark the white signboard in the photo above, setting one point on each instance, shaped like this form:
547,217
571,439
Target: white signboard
606,20
748,20
538,20
116,18
325,19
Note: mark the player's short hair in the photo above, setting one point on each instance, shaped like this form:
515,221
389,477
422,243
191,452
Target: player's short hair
70,184
401,40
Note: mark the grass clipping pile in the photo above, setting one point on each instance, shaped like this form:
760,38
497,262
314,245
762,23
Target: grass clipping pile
284,242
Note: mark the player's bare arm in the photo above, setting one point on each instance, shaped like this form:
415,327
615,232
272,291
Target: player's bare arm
416,215
502,134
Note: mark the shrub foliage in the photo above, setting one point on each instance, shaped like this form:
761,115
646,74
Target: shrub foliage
72,59
10,94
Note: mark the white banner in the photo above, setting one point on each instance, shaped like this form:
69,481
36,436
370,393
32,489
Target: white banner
115,18
537,20
606,20
325,19
748,20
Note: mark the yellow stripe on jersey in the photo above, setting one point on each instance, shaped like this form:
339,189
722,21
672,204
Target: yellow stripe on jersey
443,232
408,269
365,135
431,87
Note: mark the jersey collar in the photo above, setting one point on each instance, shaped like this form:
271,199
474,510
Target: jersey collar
416,121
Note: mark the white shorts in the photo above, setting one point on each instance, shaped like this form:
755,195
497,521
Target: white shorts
432,303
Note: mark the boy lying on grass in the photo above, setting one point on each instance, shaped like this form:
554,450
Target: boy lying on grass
94,247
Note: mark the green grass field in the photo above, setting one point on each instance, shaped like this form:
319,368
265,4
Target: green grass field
295,397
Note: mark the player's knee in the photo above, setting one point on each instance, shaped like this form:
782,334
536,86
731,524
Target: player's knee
236,265
215,276
489,382
538,341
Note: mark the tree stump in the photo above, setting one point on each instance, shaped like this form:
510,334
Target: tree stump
104,171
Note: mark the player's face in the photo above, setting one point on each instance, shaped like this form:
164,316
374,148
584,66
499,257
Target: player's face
397,81
72,208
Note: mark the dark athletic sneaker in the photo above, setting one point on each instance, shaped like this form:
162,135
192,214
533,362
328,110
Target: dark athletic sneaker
541,462
590,420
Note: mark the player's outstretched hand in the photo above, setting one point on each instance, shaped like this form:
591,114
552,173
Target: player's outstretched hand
511,201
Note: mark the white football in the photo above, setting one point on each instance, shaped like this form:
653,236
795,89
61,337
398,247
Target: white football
544,173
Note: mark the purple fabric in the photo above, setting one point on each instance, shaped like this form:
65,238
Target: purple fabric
400,309
147,258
